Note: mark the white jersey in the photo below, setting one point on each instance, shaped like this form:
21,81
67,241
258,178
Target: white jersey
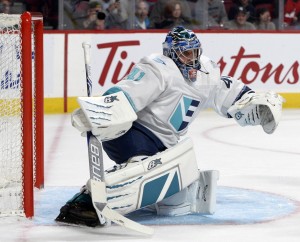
166,104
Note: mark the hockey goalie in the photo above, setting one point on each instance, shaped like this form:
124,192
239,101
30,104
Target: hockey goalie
140,122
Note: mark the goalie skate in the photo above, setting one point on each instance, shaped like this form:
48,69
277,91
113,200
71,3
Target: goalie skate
78,215
79,211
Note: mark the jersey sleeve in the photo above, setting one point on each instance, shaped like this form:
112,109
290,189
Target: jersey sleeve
141,86
226,93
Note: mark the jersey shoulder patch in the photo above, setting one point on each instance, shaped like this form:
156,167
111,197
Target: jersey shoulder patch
159,60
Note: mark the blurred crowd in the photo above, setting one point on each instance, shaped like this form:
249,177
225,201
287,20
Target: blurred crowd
161,14
49,9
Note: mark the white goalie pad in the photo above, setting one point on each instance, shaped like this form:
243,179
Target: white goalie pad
263,109
108,117
135,185
199,197
202,193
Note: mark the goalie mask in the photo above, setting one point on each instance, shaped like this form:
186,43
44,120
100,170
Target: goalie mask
184,48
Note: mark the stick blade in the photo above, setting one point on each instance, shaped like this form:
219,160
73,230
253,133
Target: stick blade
127,223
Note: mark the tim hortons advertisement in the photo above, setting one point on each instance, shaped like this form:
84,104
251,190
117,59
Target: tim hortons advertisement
261,60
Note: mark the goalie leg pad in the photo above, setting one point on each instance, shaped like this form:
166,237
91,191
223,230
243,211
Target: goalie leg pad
176,205
199,197
202,193
136,185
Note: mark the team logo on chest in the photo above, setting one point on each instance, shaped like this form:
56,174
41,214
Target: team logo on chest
183,113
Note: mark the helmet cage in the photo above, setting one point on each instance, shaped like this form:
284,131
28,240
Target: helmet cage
184,48
188,55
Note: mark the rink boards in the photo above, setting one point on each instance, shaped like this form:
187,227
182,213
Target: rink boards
263,61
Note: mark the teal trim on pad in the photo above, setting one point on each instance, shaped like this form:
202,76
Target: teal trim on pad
174,186
152,189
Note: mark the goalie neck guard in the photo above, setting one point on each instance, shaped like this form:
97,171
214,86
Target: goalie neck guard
184,48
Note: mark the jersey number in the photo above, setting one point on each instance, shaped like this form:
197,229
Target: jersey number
135,74
226,80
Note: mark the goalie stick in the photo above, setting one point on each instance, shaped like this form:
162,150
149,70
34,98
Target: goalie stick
97,184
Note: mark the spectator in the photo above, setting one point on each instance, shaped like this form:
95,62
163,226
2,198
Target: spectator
141,15
217,15
258,2
34,5
50,14
89,21
48,8
207,14
271,5
172,16
116,13
157,13
291,12
100,21
6,6
246,5
151,4
240,21
196,16
75,11
106,3
79,8
263,21
11,7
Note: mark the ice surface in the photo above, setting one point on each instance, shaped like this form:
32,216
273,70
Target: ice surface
258,196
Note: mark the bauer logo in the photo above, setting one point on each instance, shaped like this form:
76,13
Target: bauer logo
95,157
238,115
183,113
110,99
152,164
